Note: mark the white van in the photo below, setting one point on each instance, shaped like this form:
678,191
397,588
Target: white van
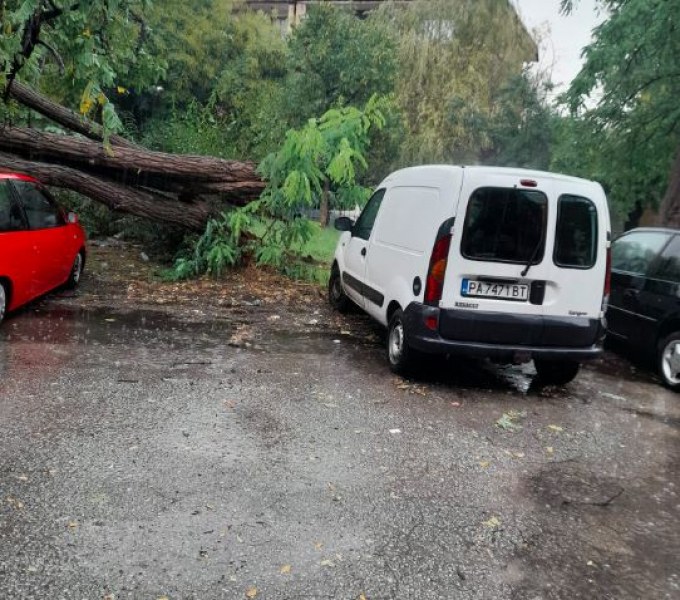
492,262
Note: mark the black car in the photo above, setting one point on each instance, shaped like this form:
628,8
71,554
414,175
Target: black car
644,305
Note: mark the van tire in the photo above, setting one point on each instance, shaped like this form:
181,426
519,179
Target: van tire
400,356
666,365
556,372
336,295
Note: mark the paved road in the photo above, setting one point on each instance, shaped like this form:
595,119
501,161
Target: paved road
143,457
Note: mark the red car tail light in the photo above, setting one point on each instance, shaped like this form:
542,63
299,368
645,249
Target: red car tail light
437,270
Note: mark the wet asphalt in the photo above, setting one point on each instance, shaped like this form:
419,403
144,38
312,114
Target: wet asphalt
142,456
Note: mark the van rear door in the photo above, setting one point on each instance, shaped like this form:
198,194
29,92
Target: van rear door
527,260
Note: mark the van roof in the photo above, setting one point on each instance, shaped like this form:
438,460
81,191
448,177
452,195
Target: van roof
442,170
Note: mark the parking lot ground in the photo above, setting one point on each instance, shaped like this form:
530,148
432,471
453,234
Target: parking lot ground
266,451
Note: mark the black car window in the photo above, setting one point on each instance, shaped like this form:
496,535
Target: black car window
40,212
364,225
10,213
633,253
668,266
576,233
505,225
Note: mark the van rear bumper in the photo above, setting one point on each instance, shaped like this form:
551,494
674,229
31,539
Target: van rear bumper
512,337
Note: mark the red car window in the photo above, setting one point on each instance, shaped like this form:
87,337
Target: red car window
10,213
40,212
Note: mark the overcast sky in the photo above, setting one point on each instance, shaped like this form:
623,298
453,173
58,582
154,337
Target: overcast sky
564,36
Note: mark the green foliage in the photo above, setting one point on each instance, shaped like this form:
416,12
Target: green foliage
326,152
336,60
626,96
521,127
217,249
91,48
453,57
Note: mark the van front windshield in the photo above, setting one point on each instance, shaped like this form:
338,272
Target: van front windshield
505,225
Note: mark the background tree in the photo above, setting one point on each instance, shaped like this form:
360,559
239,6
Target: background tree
336,59
627,93
453,57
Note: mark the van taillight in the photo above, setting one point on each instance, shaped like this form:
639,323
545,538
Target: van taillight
437,270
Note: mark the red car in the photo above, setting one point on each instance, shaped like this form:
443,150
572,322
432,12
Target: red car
41,248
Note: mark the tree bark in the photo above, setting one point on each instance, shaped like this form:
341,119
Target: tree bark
142,203
324,212
669,211
63,116
38,145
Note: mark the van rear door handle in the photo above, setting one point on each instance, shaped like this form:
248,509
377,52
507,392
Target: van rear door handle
363,251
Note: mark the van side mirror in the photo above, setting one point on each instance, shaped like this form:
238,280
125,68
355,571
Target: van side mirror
72,217
344,224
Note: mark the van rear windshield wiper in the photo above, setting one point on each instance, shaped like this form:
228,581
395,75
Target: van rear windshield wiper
532,257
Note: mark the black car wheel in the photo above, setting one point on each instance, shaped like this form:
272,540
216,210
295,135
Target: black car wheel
556,372
402,358
336,295
668,360
76,271
3,301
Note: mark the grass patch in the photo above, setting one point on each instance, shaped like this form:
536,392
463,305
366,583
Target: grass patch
321,246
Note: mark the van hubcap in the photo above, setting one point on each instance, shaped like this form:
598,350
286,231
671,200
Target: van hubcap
670,362
396,342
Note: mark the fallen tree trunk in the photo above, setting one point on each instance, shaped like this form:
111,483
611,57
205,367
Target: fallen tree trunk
39,145
61,115
142,203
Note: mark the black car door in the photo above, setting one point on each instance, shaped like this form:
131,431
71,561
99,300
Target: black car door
660,299
633,256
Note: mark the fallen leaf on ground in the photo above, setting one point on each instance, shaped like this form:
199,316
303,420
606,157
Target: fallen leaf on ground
484,463
251,592
509,420
493,522
327,563
549,450
318,545
72,524
555,428
285,569
456,404
109,597
362,597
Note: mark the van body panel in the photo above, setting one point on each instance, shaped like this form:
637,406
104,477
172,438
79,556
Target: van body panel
557,226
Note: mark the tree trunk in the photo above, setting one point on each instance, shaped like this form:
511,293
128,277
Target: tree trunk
324,212
142,203
62,115
52,147
669,211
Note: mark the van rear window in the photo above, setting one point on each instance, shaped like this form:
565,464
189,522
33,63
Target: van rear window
576,233
505,225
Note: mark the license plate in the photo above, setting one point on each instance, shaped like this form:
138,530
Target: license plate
491,289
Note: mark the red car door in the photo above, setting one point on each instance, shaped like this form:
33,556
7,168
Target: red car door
18,261
49,235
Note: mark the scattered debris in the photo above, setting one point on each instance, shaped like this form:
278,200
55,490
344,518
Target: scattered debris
509,420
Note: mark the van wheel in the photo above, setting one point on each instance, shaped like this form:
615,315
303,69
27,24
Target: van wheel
3,301
556,372
401,356
668,360
336,295
76,271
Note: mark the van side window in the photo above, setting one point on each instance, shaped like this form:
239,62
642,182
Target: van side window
11,218
505,225
635,252
668,266
576,233
40,211
364,225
